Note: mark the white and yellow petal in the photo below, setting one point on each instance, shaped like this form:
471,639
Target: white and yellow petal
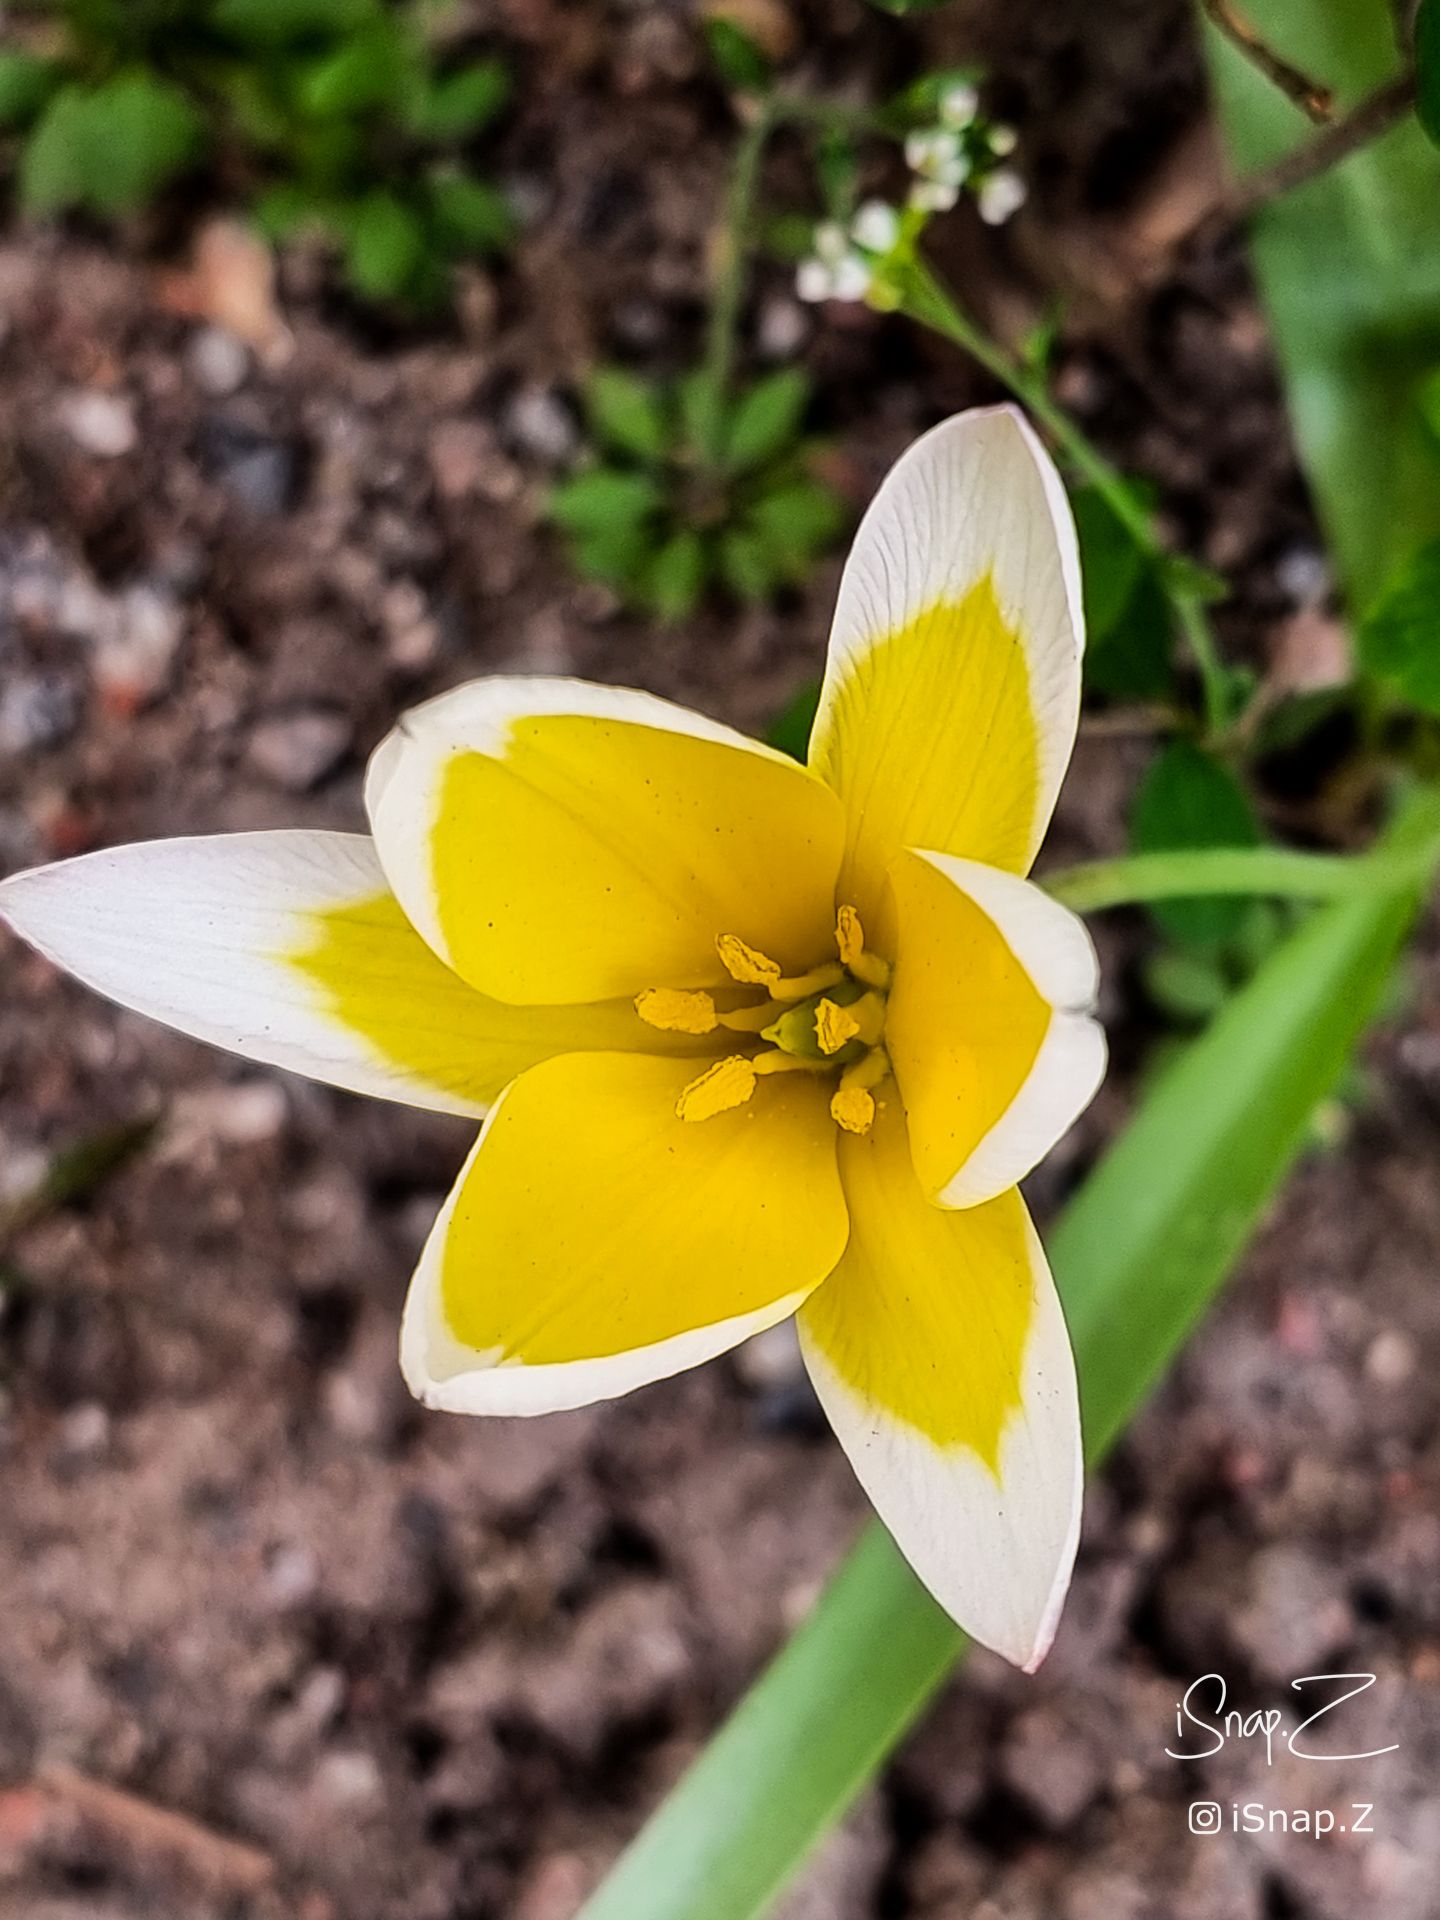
288,947
952,688
594,1241
940,1355
558,841
989,1025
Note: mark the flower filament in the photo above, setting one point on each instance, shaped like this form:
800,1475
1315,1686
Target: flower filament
830,1020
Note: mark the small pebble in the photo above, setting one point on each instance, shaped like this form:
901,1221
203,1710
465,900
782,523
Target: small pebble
771,1359
135,650
297,750
292,1574
37,711
348,1779
540,424
99,423
260,474
217,362
782,329
1391,1358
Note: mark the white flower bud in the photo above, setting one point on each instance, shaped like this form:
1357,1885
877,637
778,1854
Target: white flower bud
853,279
933,196
876,227
959,105
1000,195
814,281
1002,139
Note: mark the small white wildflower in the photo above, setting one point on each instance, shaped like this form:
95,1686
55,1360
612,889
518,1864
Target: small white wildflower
959,105
832,242
853,278
814,281
933,196
876,227
1002,140
1000,195
937,155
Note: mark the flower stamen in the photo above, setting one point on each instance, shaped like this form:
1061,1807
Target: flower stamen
850,943
674,1010
852,1105
729,1083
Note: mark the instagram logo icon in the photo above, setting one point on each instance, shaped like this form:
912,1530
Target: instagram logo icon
1204,1816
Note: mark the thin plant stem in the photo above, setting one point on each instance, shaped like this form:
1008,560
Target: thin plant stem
718,364
1314,100
924,299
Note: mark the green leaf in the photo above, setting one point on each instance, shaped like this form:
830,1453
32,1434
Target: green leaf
470,215
367,71
1110,562
618,554
1190,987
627,413
26,83
790,731
109,148
283,211
1143,1248
740,61
462,104
746,567
1399,639
766,419
284,23
602,497
1135,659
1350,275
796,523
1427,405
697,402
1427,68
676,578
1189,799
387,247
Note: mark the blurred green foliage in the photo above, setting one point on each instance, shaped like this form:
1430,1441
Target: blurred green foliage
337,116
672,506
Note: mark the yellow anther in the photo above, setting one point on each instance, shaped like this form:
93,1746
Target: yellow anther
853,1108
834,1026
676,1011
849,935
850,940
729,1083
852,1105
744,963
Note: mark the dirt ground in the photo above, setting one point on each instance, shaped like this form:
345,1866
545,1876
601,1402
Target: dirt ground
275,1642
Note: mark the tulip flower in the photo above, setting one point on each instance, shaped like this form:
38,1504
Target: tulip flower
747,1038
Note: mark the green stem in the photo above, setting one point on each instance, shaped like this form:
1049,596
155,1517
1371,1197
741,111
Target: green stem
729,294
1276,871
925,300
